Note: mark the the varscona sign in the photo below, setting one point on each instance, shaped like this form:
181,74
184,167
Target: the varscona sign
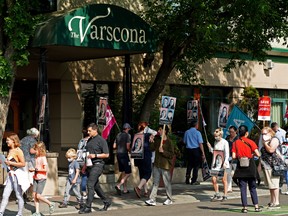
104,32
100,26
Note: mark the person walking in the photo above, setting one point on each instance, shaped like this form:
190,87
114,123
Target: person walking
220,145
245,147
73,180
122,144
163,161
27,144
98,150
232,137
40,178
144,165
17,177
279,132
194,153
270,144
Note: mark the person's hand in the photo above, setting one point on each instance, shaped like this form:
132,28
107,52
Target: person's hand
91,156
209,145
203,157
161,149
73,181
151,139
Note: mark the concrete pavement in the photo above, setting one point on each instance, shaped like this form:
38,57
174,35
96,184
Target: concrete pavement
182,194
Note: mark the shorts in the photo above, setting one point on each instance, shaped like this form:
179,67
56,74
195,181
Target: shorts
272,181
38,185
124,163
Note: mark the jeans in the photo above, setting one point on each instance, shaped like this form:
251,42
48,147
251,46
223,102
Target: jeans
94,173
9,187
252,188
157,173
194,160
69,189
84,178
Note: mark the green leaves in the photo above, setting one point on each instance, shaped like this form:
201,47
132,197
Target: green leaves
5,76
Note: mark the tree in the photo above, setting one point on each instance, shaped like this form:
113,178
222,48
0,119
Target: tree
191,32
17,25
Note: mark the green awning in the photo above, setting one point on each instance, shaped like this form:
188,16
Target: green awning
94,31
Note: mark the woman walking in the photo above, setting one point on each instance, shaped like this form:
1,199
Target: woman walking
17,178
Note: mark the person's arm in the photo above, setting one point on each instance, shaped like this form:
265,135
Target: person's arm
168,149
273,145
202,150
226,153
76,176
114,144
210,147
20,163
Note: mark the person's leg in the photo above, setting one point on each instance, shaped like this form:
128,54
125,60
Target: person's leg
215,185
76,191
229,179
196,160
84,178
189,165
18,193
225,183
167,182
156,180
253,191
243,190
67,192
97,188
6,194
92,180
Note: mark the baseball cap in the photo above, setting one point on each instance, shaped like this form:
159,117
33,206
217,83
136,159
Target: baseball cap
127,125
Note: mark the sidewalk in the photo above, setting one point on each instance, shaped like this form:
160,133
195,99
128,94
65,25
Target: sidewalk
182,194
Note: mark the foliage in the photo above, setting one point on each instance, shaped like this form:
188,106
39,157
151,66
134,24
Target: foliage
191,32
17,26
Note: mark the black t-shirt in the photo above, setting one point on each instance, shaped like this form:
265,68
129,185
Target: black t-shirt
97,145
121,142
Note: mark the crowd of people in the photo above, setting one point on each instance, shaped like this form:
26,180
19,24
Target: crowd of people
233,160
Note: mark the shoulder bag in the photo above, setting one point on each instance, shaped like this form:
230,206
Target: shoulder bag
244,161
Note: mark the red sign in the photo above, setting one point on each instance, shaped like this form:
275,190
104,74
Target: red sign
264,108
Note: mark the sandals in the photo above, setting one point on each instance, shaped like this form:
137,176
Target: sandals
258,209
244,210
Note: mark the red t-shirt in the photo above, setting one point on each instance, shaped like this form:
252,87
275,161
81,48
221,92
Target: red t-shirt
244,150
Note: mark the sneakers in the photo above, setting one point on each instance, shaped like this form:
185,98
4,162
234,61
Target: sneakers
36,214
96,196
52,208
150,202
168,202
63,205
216,197
224,198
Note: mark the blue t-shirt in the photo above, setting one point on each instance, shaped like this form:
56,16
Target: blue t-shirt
192,138
73,166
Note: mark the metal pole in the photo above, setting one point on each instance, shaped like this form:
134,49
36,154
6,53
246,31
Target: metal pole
127,91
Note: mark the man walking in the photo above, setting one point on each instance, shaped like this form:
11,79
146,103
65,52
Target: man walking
122,144
98,150
279,132
194,152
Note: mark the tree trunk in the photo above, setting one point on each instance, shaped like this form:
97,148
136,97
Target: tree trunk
159,82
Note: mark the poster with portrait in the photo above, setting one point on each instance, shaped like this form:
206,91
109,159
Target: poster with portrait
217,163
192,111
223,115
137,149
167,110
102,111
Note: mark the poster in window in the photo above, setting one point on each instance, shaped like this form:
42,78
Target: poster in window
167,110
137,150
217,163
102,111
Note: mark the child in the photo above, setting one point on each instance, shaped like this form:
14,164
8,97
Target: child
40,178
73,179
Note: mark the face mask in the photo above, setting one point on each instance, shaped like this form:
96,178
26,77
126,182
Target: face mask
70,159
266,137
217,138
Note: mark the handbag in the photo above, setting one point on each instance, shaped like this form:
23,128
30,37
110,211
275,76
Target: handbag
244,161
278,165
